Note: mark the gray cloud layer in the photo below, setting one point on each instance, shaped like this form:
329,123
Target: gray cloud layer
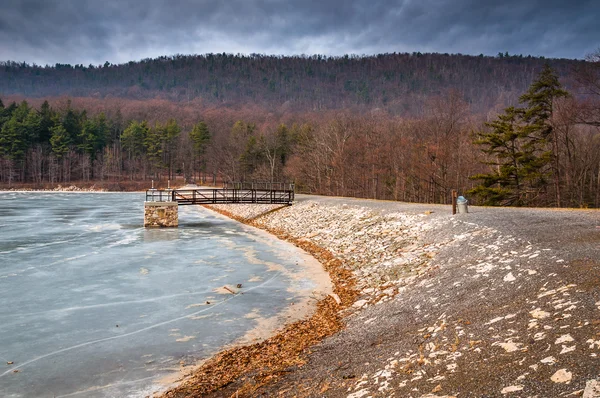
94,31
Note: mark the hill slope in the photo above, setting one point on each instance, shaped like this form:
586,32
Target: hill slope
395,82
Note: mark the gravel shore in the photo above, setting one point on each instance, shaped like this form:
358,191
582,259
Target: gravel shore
497,302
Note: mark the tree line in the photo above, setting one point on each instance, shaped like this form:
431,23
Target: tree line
542,151
64,145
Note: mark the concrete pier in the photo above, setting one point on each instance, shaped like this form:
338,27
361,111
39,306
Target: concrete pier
161,214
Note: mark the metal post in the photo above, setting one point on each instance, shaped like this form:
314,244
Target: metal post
454,196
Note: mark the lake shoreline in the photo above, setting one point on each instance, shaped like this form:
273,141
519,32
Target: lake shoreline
349,284
302,308
283,348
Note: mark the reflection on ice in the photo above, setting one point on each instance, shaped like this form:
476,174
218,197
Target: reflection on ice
125,241
160,234
104,227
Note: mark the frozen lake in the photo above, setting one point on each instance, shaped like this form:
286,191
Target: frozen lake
94,305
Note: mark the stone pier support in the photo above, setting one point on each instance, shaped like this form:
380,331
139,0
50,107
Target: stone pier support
161,214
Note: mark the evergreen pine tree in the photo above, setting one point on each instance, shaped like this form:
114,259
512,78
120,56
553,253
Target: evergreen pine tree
283,143
200,136
133,138
47,117
153,145
17,132
92,137
521,147
59,141
504,183
539,133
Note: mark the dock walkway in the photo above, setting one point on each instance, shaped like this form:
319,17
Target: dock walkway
234,193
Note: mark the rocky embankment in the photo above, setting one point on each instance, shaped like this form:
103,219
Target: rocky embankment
495,303
384,251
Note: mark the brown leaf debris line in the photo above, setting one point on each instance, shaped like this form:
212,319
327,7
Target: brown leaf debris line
255,365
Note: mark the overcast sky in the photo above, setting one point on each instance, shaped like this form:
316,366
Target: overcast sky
95,31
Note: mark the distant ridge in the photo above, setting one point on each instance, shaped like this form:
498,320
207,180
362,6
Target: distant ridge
397,82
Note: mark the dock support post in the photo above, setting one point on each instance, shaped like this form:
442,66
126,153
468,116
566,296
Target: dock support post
161,214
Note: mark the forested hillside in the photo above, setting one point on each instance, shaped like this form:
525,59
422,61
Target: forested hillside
397,83
505,130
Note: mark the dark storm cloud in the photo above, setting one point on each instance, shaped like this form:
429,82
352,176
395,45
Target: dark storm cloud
84,31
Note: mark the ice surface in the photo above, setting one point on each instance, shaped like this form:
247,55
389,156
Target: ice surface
94,305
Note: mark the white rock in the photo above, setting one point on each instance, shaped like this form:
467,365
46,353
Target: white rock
510,389
508,347
562,376
566,349
495,320
565,338
336,298
360,303
359,393
539,314
549,360
592,389
509,277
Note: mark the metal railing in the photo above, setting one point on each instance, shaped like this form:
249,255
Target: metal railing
260,185
221,196
159,195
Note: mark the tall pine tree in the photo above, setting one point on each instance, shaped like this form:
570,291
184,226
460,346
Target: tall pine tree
133,138
200,136
538,130
522,148
505,183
